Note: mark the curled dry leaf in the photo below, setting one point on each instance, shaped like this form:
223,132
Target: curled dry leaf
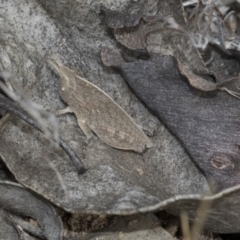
135,38
196,81
29,226
132,38
131,33
18,200
206,123
9,230
166,33
230,86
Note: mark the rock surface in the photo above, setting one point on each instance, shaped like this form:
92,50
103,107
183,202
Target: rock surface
120,182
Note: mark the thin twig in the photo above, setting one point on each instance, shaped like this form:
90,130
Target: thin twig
12,107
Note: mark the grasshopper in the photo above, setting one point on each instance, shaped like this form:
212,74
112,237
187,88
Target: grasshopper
96,111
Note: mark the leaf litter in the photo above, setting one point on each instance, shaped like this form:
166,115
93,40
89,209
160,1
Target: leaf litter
121,203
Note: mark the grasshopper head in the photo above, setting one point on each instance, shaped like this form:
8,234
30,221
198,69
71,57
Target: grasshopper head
64,73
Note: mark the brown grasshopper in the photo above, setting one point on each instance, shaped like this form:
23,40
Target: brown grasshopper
96,111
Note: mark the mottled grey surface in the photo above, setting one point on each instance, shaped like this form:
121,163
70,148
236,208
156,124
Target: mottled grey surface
116,179
120,182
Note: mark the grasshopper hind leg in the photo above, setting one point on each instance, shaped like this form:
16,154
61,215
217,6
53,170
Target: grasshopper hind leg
84,127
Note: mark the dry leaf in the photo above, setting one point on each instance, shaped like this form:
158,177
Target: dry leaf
18,200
